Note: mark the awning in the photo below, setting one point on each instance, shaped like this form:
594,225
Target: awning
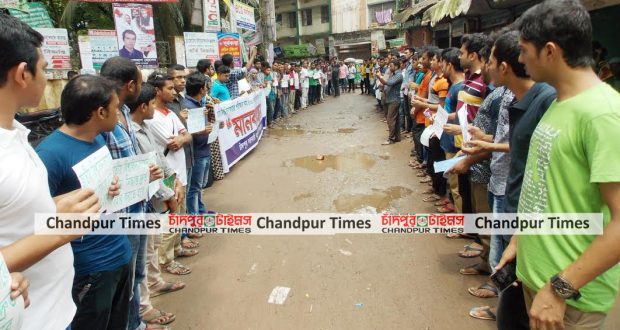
404,15
445,8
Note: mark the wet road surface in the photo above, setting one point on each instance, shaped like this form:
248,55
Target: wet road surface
339,282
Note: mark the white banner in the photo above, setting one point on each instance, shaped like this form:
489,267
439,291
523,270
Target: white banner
200,45
56,48
212,15
245,118
244,16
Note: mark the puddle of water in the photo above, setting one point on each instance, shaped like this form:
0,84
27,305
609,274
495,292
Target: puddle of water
343,162
378,199
347,130
302,196
286,130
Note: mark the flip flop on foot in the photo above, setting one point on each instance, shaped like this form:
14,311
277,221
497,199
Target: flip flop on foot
426,180
443,202
446,208
428,191
483,313
421,174
195,235
184,253
176,268
189,244
160,317
476,269
485,290
432,198
167,287
470,252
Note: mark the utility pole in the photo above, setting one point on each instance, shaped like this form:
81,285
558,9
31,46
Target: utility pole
268,11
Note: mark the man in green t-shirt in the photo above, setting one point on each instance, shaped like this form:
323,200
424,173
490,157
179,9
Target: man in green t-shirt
570,281
313,96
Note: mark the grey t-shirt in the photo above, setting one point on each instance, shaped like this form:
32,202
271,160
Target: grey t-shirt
486,120
500,161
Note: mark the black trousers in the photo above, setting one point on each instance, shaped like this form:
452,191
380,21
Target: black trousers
436,154
465,191
418,147
367,83
102,299
336,86
351,85
297,99
511,310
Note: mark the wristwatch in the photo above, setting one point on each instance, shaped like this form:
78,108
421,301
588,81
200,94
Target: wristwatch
563,289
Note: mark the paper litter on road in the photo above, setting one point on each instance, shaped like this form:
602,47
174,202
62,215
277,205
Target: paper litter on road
345,252
278,295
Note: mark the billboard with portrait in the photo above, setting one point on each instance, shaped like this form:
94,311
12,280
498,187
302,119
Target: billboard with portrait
135,32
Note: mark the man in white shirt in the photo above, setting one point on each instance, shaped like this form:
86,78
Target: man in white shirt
47,261
304,78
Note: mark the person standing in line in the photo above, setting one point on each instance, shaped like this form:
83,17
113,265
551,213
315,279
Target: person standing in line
392,100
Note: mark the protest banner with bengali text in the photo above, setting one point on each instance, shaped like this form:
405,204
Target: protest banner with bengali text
244,119
200,45
56,48
228,43
135,32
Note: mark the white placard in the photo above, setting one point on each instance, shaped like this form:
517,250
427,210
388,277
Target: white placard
196,120
441,119
55,48
462,114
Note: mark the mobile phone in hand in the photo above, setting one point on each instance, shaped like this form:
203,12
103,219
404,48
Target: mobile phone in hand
504,277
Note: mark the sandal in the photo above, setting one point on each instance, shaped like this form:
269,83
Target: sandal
189,244
446,208
167,287
426,180
160,317
443,202
155,326
194,235
482,313
470,252
428,191
184,253
491,291
432,198
176,268
421,174
462,236
476,269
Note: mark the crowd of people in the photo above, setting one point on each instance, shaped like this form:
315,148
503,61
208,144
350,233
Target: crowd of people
540,139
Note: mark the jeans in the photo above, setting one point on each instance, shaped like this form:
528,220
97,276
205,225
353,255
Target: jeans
498,242
138,273
270,110
102,299
284,103
418,147
336,87
311,95
200,173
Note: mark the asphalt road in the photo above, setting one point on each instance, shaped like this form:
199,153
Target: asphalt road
336,282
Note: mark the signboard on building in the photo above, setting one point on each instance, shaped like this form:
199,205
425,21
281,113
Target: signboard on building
135,33
320,46
244,16
228,43
104,45
212,15
296,51
200,45
36,15
56,48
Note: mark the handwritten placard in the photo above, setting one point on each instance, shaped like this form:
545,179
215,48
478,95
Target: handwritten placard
133,177
196,120
95,172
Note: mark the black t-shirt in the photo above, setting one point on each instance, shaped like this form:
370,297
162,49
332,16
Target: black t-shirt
523,117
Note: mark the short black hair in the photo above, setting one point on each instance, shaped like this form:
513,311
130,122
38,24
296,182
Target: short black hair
396,63
71,74
223,69
411,50
158,80
147,93
120,70
485,53
257,60
451,56
474,42
507,50
432,51
227,60
564,22
176,67
203,65
126,32
19,44
264,63
84,95
217,64
194,82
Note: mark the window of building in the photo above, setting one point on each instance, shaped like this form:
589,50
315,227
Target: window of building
306,17
279,18
324,14
292,20
381,8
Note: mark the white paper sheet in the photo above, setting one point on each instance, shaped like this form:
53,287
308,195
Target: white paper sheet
445,165
441,118
196,120
462,114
